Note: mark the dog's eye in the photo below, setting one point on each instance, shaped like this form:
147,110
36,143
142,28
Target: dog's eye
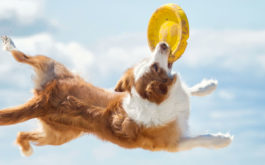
155,67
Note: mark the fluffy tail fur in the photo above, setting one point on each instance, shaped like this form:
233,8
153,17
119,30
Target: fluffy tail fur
204,88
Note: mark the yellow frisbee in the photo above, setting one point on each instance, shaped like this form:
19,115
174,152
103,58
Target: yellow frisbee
169,23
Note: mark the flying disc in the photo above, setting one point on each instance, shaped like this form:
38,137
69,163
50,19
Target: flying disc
169,23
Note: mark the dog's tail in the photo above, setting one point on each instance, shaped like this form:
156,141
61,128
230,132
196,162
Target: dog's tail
203,88
21,113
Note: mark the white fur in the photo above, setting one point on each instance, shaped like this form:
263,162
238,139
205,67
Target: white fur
8,44
141,68
43,76
161,57
212,141
176,106
204,88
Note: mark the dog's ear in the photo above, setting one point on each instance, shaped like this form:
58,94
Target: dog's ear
156,91
126,82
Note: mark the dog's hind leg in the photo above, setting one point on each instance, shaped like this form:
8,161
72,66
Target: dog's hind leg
46,68
27,111
9,46
23,139
49,134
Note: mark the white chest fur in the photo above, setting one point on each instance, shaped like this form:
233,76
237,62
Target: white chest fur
175,107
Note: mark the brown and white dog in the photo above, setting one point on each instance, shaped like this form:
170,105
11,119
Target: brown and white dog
149,110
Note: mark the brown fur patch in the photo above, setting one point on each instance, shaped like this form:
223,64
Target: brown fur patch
126,82
154,85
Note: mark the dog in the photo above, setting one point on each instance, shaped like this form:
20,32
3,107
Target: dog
149,108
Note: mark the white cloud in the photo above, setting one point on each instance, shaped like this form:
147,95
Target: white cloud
116,54
25,11
236,114
227,95
6,130
72,54
105,151
233,50
261,60
51,158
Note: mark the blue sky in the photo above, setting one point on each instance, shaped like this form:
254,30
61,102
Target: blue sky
100,39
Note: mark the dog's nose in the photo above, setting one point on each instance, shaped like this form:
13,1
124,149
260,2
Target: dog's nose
164,46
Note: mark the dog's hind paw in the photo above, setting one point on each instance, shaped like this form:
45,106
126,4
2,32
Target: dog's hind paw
27,152
8,44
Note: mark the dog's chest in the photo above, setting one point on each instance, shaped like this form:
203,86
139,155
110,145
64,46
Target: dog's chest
175,107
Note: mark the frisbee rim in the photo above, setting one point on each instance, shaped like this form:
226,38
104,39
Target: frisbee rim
155,24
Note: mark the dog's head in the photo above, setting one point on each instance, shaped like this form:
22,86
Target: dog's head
151,78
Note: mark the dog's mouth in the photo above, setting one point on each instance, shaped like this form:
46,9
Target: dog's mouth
164,47
170,65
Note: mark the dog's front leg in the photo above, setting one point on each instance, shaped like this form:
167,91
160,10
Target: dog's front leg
203,88
212,141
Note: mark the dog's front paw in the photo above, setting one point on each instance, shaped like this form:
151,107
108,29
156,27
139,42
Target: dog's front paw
8,44
221,140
